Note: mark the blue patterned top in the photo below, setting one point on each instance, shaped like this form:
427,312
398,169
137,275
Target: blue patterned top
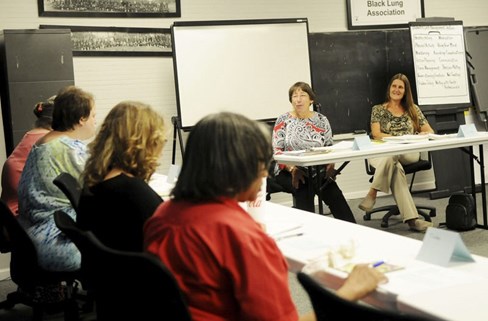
39,198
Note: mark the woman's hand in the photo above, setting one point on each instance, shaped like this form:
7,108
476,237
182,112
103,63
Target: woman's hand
330,171
297,176
361,281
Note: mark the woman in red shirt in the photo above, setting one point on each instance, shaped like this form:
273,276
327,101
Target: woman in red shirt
227,266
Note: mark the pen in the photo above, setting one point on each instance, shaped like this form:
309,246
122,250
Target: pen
376,264
288,236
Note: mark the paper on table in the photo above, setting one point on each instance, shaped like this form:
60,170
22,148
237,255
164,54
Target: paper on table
383,268
305,248
444,136
405,139
313,151
281,227
159,183
422,277
344,144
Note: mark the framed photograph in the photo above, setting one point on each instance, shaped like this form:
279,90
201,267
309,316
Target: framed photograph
109,8
117,41
375,14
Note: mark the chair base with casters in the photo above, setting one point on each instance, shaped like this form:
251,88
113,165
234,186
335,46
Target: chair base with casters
393,210
427,212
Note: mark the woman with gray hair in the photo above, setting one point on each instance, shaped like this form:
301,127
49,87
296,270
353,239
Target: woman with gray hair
216,251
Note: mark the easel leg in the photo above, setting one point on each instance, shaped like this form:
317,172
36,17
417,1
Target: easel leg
177,132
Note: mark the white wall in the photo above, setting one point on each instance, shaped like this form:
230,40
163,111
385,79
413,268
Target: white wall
150,79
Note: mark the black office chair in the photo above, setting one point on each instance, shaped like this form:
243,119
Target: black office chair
425,211
330,307
70,187
272,185
29,276
126,285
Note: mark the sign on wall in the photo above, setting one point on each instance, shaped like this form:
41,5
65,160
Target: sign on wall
370,14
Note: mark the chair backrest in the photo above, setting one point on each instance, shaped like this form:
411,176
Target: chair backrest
126,285
330,307
23,260
24,265
70,187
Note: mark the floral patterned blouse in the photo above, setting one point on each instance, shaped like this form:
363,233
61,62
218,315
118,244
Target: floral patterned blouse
39,198
393,125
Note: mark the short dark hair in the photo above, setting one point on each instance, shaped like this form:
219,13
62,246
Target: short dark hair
304,87
71,105
225,153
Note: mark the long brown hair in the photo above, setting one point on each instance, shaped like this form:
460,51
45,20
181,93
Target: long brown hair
407,100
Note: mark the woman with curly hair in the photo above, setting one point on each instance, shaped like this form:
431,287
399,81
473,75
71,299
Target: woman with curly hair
116,198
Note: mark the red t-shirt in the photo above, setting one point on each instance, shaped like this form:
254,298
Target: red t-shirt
226,265
12,169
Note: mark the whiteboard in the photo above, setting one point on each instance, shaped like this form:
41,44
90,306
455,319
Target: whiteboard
440,64
244,66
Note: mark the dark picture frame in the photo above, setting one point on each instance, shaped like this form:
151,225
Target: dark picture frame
118,41
363,14
110,8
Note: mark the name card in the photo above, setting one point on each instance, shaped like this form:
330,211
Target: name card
468,130
442,247
361,142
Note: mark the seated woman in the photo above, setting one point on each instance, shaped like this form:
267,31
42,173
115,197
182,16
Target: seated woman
61,150
397,116
300,129
13,166
116,199
227,266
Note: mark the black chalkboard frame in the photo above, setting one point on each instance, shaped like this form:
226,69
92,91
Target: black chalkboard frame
351,70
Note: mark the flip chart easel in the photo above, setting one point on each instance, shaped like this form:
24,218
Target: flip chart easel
440,64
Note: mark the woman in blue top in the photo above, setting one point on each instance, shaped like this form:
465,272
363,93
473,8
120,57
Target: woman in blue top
300,129
61,150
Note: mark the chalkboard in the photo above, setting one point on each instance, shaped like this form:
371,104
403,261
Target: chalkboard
440,63
351,70
242,66
476,40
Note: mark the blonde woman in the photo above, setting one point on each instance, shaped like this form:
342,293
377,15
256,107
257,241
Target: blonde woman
116,199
